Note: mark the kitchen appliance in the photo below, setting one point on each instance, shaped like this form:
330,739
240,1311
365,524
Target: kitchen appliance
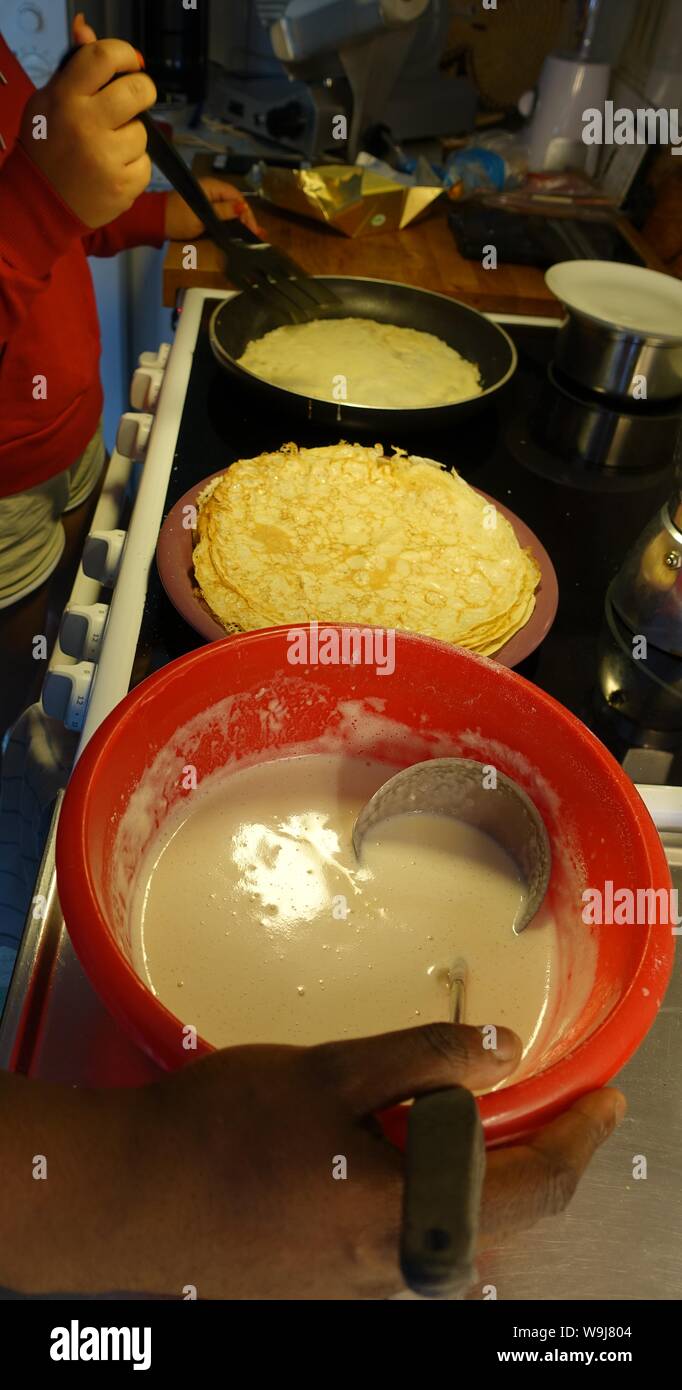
364,61
211,701
174,39
641,657
568,86
188,419
570,83
623,332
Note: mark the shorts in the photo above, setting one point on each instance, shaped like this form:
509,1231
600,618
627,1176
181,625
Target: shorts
32,537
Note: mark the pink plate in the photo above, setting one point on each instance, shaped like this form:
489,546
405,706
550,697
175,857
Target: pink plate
174,561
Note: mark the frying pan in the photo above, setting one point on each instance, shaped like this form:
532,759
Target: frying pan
254,312
276,291
238,320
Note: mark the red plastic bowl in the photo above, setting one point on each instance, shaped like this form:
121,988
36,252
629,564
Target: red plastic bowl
263,707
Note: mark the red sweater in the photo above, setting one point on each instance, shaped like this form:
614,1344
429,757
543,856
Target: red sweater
48,317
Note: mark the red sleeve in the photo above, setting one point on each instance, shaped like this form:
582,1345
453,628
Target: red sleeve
36,229
142,225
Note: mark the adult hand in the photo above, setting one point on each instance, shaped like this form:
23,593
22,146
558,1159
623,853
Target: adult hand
236,1193
220,1178
90,146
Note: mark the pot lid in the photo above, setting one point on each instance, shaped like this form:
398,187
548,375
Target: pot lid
628,298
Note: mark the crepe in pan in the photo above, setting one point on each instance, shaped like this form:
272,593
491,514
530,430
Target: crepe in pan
372,364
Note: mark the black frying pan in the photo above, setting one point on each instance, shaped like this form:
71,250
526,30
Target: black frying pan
268,279
237,321
254,312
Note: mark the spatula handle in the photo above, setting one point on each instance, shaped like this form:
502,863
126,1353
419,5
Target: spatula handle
444,1171
165,156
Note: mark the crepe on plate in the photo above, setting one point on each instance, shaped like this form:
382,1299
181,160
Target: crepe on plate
347,534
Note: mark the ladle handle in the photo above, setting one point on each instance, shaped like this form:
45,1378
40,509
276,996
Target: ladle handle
444,1171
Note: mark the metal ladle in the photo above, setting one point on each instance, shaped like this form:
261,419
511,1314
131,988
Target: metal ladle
457,787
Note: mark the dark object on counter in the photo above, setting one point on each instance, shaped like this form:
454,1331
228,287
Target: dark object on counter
236,322
640,670
444,1170
174,41
230,163
378,141
536,239
644,693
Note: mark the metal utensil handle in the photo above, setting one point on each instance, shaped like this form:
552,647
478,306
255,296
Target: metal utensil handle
444,1170
167,159
251,263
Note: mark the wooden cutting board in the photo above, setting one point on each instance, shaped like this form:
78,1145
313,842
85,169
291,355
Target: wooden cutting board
424,255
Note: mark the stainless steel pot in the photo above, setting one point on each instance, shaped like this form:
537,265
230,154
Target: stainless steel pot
611,360
623,333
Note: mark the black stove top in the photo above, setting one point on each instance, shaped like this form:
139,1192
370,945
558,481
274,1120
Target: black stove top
586,517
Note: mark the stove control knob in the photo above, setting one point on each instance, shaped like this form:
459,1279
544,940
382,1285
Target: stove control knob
66,691
102,556
145,387
155,359
133,435
81,630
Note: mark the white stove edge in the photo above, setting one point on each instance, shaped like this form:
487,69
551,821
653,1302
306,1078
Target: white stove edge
112,678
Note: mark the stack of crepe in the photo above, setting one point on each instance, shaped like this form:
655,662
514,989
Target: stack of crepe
347,534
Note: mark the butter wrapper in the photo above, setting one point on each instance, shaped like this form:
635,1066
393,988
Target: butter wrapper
354,200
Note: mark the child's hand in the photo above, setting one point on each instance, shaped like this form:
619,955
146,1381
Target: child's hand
81,31
228,202
92,149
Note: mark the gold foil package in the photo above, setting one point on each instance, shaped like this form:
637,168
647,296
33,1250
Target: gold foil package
354,200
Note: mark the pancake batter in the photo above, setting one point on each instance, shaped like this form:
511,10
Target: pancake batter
253,921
